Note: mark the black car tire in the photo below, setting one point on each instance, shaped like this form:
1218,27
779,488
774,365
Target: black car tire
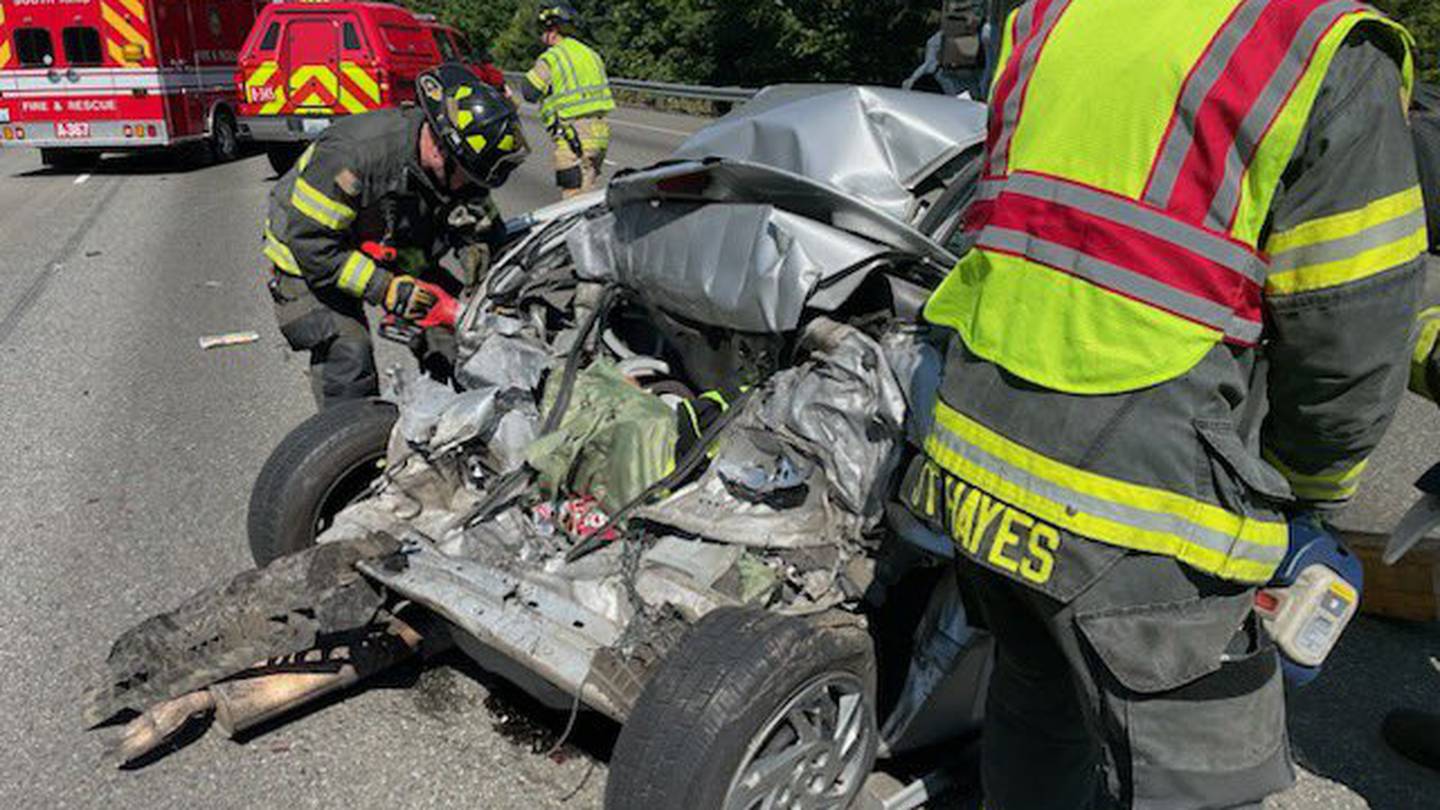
283,155
702,714
317,469
224,138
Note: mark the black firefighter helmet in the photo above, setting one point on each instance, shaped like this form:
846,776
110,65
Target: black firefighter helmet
558,15
477,127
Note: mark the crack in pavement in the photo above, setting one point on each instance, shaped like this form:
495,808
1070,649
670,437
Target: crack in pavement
37,285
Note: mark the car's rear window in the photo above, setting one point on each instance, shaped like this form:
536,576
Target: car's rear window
33,47
271,38
406,39
82,45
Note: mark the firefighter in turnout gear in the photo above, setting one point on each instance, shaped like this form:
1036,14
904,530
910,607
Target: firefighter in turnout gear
1172,192
368,211
568,82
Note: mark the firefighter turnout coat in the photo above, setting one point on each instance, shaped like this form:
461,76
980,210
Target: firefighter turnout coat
360,182
1151,223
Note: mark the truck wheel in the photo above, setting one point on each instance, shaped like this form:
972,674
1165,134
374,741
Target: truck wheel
69,160
283,155
224,138
751,710
321,467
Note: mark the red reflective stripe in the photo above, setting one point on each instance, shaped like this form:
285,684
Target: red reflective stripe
1129,248
1178,111
1218,120
1013,80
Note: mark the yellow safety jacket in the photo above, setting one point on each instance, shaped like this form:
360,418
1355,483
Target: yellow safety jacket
579,87
1127,185
1134,151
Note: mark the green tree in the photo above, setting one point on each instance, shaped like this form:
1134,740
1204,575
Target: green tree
1422,17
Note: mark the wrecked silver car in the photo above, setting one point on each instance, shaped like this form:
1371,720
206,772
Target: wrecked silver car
656,484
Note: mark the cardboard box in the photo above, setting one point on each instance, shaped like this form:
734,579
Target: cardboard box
1410,589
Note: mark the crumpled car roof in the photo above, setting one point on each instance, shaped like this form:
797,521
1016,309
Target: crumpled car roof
873,143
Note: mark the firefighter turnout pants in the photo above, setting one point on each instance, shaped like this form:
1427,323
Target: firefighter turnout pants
1154,688
577,173
332,327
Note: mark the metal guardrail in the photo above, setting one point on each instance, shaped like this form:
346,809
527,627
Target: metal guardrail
671,89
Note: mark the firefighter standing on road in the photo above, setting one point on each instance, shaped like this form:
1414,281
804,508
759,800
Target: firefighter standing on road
1169,186
569,83
368,211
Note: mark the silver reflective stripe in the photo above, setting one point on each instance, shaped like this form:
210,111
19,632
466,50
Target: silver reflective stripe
1380,235
1193,95
1110,276
1267,106
1181,529
1224,252
1010,114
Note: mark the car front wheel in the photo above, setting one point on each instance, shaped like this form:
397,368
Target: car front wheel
322,466
751,710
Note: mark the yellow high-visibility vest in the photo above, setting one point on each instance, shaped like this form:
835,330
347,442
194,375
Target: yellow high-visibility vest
1135,148
579,87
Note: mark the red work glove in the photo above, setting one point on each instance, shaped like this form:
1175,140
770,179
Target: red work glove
445,312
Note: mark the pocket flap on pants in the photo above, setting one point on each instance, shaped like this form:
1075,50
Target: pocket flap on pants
1159,647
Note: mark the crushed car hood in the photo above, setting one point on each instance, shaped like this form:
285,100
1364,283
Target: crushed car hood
872,143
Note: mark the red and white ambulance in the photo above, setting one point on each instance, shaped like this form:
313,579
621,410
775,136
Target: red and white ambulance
81,77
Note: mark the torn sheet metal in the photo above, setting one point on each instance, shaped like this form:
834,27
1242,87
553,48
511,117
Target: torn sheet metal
842,410
845,408
745,267
263,613
515,614
873,143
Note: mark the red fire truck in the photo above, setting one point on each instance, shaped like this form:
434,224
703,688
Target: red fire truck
81,77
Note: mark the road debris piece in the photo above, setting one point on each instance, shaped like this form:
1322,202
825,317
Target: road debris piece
228,339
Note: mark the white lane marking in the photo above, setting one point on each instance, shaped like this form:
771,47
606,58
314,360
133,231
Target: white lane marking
667,131
609,162
82,178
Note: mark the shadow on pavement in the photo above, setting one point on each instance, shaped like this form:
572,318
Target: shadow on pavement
183,160
1335,722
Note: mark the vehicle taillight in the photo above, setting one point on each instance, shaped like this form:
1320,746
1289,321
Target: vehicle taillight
383,76
129,131
8,133
150,130
19,133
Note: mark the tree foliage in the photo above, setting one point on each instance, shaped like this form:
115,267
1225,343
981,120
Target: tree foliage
1422,17
759,42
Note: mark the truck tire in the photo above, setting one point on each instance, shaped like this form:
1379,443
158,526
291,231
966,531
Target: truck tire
283,155
224,138
69,160
322,466
741,692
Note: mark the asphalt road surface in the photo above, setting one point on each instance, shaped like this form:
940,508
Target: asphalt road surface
131,454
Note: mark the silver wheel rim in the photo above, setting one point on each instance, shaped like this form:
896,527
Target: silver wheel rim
813,752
